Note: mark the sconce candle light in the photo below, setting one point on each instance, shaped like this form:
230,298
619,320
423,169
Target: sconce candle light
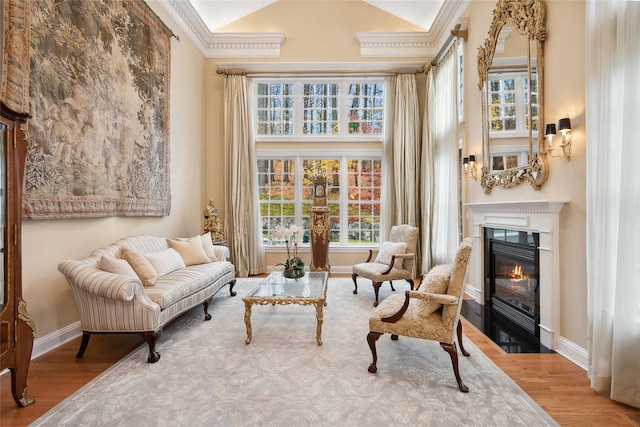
469,164
564,127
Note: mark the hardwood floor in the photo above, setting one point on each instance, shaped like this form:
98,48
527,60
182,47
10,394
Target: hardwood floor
556,384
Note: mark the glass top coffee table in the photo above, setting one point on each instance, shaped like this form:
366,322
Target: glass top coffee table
276,289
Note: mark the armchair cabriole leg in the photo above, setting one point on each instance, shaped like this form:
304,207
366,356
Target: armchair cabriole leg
376,290
355,283
391,283
453,353
83,344
151,337
372,337
410,281
459,331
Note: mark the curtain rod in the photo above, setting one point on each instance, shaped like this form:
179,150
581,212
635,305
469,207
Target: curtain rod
319,73
456,32
166,27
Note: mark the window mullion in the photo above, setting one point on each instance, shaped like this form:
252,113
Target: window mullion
298,109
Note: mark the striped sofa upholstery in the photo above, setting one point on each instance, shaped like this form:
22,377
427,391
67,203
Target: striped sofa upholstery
114,303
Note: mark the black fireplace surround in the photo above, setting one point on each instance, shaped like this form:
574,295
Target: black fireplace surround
512,277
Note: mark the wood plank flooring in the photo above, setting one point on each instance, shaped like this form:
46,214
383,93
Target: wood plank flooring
556,384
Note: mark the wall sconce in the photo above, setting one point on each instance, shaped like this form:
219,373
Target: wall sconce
470,168
564,127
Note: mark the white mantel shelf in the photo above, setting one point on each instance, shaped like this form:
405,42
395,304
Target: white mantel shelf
538,216
520,206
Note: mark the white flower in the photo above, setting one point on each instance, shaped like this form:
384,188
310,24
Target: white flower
290,236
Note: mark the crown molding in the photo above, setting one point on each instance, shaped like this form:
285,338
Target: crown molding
221,45
393,45
244,45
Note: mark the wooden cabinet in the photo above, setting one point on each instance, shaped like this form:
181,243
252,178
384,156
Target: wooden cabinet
17,330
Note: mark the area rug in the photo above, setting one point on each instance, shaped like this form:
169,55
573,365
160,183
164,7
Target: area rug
207,375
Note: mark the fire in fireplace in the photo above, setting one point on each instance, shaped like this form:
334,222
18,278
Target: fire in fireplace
512,273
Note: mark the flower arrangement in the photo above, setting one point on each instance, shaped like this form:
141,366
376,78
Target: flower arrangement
290,236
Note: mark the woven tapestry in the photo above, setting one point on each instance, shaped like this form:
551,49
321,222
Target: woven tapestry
99,100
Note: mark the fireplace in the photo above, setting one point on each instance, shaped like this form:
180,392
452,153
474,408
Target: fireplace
540,218
512,270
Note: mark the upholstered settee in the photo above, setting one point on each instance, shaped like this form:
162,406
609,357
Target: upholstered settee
139,284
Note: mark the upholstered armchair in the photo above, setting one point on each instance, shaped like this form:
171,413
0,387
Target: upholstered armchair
432,312
394,260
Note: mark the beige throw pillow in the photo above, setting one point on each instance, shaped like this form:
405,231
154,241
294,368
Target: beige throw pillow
141,266
207,245
116,266
436,281
164,262
388,249
190,250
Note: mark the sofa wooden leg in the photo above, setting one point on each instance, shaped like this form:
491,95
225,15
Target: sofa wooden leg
453,353
231,285
372,337
83,344
151,337
205,304
355,283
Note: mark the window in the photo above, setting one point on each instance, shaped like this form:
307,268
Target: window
508,96
305,108
334,126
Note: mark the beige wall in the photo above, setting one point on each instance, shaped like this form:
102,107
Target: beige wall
47,242
564,94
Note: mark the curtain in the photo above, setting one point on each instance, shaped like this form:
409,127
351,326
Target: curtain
613,198
242,208
440,176
401,168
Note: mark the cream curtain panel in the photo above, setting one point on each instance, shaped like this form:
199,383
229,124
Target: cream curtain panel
242,208
401,160
440,175
613,198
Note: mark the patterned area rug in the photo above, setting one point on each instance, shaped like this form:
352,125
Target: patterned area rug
208,376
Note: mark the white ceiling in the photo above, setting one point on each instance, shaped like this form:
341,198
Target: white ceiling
202,19
217,13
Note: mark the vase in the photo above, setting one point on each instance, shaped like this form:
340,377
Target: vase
294,272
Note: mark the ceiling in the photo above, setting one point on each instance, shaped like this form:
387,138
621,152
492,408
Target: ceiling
216,14
202,20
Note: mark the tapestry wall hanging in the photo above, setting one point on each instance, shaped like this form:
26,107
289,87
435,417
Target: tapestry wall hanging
99,100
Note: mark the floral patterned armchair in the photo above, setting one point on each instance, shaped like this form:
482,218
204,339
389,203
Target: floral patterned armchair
394,260
432,312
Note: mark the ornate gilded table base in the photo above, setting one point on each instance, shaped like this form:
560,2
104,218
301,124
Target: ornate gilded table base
308,290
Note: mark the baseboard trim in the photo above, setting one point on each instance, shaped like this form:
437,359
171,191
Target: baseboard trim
55,339
573,352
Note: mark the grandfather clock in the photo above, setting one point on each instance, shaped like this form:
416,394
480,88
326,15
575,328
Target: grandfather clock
319,227
17,329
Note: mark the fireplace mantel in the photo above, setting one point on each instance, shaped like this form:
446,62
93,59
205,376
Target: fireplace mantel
538,216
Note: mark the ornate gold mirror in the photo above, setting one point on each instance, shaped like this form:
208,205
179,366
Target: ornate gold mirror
510,67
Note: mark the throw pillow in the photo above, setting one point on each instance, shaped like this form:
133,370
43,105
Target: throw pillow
141,266
207,245
436,281
116,266
388,249
164,262
190,250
